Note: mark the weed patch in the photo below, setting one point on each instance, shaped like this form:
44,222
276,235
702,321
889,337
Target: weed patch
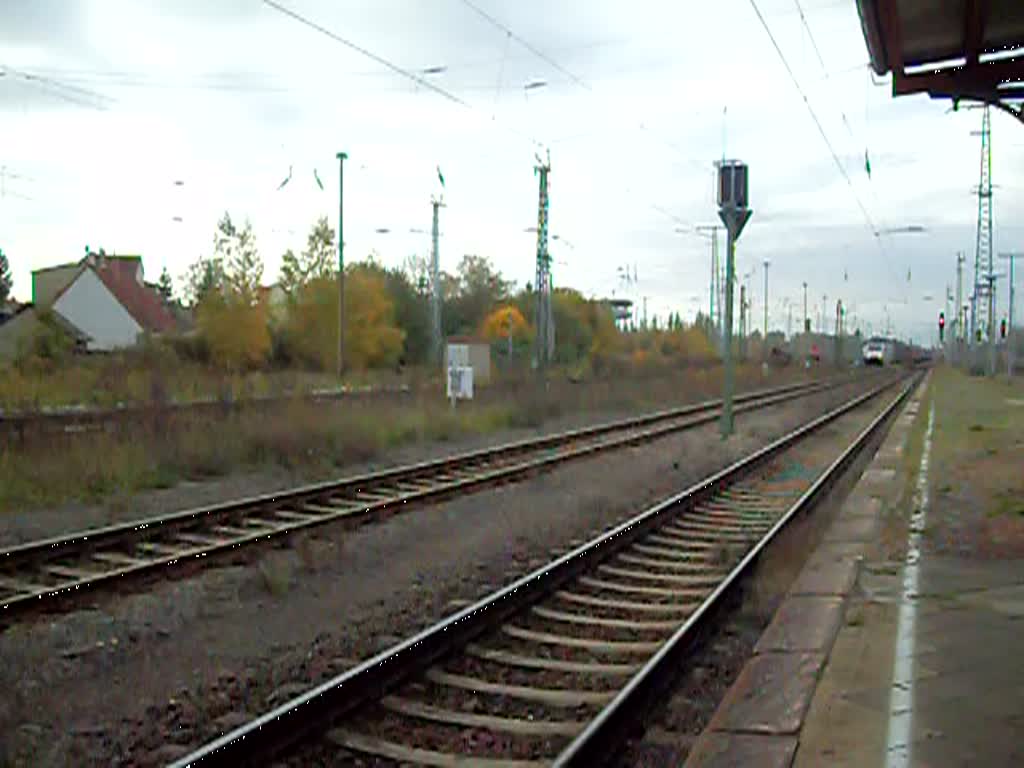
305,438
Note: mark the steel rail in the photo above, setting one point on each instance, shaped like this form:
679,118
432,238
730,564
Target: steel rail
333,487
19,564
310,713
605,733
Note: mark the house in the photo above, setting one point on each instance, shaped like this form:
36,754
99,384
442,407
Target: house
26,323
102,301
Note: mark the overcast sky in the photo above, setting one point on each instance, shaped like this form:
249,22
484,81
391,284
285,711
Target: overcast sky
105,104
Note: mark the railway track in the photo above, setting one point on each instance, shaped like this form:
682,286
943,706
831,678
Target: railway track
557,667
55,573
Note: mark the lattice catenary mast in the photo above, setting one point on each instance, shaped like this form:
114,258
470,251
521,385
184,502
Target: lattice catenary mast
982,311
545,345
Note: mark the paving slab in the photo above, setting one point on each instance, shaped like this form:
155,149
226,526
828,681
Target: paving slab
889,455
846,723
803,624
826,576
877,479
861,505
771,694
733,750
862,528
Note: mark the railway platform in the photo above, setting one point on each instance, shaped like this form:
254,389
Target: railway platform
887,651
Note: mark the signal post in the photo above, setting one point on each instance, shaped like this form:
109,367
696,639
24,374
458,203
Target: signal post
734,212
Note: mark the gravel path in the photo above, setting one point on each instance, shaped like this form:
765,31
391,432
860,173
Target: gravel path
138,678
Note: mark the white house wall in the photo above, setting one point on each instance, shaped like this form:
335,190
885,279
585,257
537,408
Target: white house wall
90,306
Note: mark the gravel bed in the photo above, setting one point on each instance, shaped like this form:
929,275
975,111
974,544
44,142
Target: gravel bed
30,524
134,680
672,729
531,678
469,742
500,706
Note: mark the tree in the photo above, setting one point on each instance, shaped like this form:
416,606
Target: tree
506,325
231,309
318,260
477,290
204,276
236,332
6,281
164,285
243,266
412,313
372,335
574,329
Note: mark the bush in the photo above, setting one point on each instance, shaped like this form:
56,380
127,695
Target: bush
192,347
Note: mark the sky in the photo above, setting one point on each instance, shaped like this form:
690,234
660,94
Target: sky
106,105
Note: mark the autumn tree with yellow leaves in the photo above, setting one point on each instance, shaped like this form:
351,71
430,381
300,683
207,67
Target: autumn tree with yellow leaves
504,323
231,311
372,338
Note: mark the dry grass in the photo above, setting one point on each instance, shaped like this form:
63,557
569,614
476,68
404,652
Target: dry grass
977,454
310,439
153,375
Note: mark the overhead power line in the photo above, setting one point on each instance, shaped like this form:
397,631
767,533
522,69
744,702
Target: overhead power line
70,93
821,61
369,54
393,67
526,44
814,117
807,28
511,34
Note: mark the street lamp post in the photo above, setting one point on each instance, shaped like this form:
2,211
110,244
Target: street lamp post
341,263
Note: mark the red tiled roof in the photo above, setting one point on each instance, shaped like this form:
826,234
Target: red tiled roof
118,273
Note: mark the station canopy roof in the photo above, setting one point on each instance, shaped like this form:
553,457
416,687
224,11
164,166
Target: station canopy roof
970,50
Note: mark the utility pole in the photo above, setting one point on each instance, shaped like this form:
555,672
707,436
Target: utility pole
789,319
714,303
743,322
545,333
839,333
824,313
806,326
636,295
645,313
341,263
961,315
734,213
435,285
947,344
1010,333
990,281
764,345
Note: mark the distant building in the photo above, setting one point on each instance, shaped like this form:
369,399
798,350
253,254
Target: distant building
622,311
102,301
